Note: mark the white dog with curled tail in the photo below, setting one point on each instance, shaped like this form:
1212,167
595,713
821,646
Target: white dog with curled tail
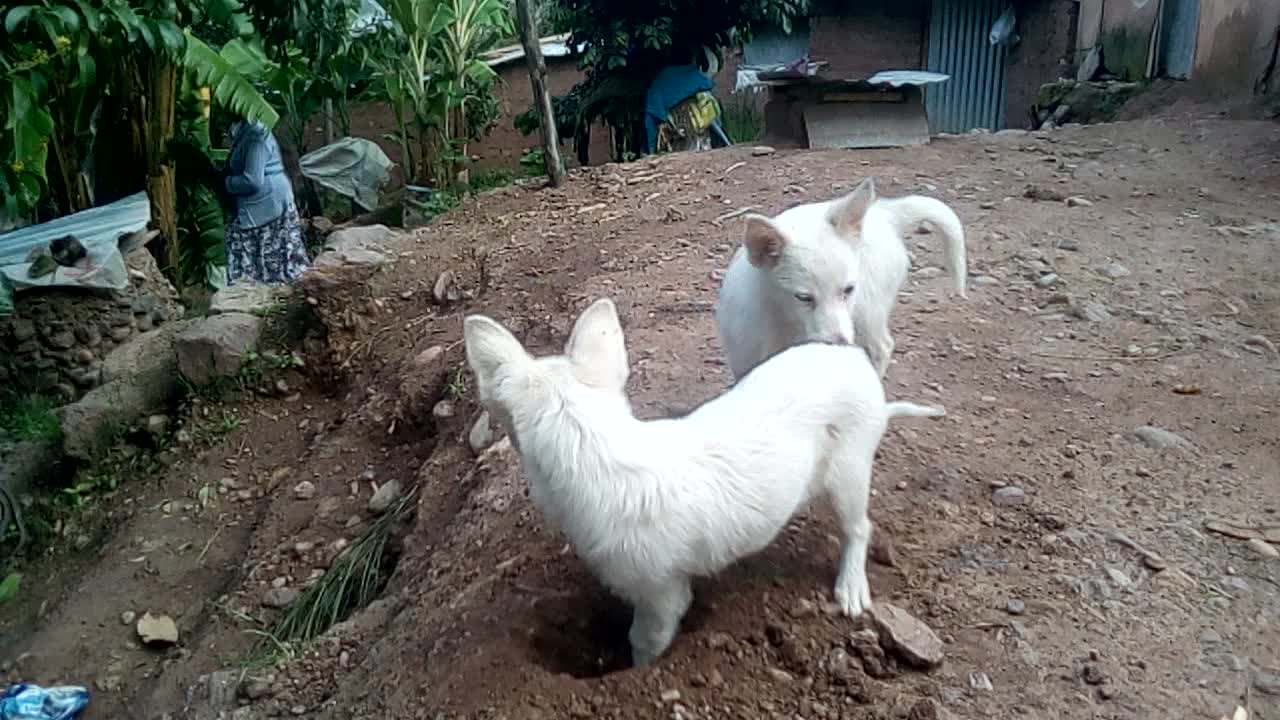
649,505
827,272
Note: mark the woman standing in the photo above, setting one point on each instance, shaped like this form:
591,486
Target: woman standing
264,238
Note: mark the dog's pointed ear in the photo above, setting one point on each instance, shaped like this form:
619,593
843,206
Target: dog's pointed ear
845,214
763,240
597,347
490,346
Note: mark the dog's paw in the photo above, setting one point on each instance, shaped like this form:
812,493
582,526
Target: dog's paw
853,596
642,658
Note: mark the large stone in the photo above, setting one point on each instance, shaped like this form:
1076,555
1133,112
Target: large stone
139,378
216,346
906,637
356,246
250,299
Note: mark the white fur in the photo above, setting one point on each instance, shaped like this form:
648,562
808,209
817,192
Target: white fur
649,505
822,251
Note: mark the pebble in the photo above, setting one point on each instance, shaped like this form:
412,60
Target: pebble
1160,439
1015,606
481,435
1118,578
762,151
1069,245
1077,201
670,696
279,597
1048,280
304,490
128,617
1264,548
384,496
781,676
1114,271
1010,496
979,681
1091,311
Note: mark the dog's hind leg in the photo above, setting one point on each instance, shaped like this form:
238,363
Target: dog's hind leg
849,484
659,607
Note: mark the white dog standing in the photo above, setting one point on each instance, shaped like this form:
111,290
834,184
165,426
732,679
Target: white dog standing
827,272
649,505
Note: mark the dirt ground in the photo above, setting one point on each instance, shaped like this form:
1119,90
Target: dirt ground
1152,298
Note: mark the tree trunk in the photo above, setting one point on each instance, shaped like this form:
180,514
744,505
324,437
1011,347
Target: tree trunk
161,79
526,19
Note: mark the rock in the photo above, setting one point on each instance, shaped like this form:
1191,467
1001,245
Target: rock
247,299
279,597
1267,683
1010,496
128,617
443,410
762,151
1068,244
905,636
1047,280
1161,439
1060,113
980,681
1077,201
1118,578
866,644
256,688
108,683
138,377
1015,606
670,696
1263,548
157,630
216,346
157,425
384,496
304,490
361,246
214,693
781,676
1091,311
445,290
1092,674
1113,271
481,435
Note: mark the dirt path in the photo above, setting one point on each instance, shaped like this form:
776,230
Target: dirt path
1140,306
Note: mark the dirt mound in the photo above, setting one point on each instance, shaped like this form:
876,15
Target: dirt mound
1066,565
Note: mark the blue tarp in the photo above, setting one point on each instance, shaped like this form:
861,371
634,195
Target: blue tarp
98,229
670,87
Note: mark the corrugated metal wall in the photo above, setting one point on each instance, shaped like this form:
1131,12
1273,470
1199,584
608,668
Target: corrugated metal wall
974,97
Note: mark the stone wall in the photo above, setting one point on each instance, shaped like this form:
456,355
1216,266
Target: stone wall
56,338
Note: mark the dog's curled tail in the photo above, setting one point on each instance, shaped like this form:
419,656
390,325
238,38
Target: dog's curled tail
907,409
911,210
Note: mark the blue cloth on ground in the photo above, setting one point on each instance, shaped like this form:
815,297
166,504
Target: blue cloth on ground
32,702
671,86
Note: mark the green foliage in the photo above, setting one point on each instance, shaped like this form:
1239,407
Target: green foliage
437,82
28,416
9,587
743,119
50,80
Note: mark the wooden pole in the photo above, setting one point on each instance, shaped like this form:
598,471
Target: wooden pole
526,18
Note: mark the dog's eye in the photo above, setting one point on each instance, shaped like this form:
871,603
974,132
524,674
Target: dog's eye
804,297
848,290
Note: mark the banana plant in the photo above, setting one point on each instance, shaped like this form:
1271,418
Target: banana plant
56,60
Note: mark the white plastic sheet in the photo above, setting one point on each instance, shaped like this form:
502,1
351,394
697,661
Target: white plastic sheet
98,229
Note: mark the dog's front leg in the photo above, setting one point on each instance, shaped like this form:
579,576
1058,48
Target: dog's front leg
876,339
659,608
